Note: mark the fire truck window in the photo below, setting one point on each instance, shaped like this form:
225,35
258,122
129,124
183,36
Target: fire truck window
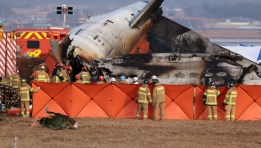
33,44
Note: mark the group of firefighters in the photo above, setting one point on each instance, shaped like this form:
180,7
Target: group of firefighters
13,89
157,99
62,73
211,94
20,89
210,99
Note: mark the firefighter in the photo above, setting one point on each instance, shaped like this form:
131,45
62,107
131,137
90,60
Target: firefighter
54,74
57,76
70,71
41,74
113,80
211,95
158,100
7,81
230,102
153,78
78,80
15,80
24,94
63,74
101,80
2,82
135,80
85,75
123,79
143,99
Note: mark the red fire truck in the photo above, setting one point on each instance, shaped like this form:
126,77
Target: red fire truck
35,42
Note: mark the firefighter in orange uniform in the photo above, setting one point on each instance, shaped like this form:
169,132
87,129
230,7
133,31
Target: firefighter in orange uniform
143,99
211,95
24,95
42,75
158,100
230,102
85,75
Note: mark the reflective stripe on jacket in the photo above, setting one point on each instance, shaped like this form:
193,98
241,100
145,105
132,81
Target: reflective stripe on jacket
24,92
158,93
144,95
85,77
56,79
231,96
212,95
42,76
65,74
16,83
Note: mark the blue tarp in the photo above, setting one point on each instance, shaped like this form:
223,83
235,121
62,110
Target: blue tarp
252,53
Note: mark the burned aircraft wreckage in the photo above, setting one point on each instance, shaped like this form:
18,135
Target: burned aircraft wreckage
176,54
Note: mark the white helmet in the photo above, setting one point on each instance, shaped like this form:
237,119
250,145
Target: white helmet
113,79
136,82
154,77
135,79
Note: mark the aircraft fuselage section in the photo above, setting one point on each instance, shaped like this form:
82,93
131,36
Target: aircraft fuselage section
108,35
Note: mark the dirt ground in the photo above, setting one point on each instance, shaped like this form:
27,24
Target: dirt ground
123,133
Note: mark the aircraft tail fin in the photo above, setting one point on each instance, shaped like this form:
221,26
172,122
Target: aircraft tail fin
153,6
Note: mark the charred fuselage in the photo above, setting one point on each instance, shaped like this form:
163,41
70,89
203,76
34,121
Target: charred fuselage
177,54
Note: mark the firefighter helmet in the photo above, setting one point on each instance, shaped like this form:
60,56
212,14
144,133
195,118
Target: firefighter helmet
135,79
113,79
122,77
23,80
101,78
145,81
84,68
77,77
42,67
60,65
154,77
68,68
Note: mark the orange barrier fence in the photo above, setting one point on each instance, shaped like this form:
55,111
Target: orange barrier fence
183,102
